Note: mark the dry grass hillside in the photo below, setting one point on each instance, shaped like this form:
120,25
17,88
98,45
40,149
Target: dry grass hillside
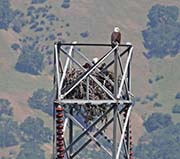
98,17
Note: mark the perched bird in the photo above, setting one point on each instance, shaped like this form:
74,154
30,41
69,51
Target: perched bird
86,65
115,36
95,60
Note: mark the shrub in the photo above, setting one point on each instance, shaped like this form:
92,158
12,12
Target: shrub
41,10
49,52
178,95
5,107
51,17
157,121
156,104
17,13
37,16
65,5
52,37
158,77
44,15
39,29
68,33
144,102
34,25
67,24
42,22
31,8
152,97
15,46
150,81
176,108
84,34
136,99
17,27
37,1
59,34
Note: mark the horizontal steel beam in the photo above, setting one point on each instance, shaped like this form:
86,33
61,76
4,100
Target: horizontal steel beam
90,44
98,102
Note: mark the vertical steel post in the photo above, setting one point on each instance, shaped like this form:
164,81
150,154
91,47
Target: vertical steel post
56,86
70,131
54,131
116,105
129,89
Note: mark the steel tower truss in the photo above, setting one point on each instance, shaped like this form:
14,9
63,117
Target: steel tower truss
119,103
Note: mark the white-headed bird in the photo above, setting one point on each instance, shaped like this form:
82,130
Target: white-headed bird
115,36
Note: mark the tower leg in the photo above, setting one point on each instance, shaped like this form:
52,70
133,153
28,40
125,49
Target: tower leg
114,148
70,132
115,106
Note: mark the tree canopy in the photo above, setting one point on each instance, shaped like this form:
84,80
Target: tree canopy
8,130
12,132
34,131
30,61
162,37
43,100
31,150
162,144
157,121
5,108
6,14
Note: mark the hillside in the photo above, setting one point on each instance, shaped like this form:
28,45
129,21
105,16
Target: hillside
97,18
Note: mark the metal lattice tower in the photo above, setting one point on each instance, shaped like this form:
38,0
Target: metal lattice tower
117,102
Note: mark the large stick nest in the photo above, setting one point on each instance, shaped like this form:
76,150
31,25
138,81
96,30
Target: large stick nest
88,111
